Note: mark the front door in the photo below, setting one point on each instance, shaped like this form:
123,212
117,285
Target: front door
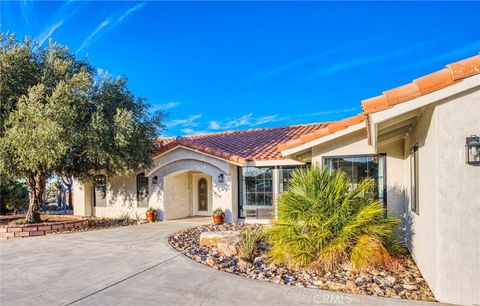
202,195
202,204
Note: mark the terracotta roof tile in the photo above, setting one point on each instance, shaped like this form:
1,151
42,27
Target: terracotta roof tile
434,81
450,75
401,94
465,68
241,146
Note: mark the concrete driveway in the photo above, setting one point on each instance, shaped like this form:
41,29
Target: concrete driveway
136,266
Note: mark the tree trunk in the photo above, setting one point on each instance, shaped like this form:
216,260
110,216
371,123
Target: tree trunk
70,206
68,182
36,189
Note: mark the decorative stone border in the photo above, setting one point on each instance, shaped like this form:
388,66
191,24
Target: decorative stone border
39,229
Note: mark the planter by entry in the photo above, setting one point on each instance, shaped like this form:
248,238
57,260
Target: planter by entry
151,216
218,219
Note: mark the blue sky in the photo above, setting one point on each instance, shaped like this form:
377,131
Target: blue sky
215,66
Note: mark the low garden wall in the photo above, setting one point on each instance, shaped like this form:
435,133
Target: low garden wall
39,229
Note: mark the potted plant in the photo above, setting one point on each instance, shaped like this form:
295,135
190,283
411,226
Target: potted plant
218,216
151,214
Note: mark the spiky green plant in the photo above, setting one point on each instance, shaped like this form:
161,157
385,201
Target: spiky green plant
248,245
322,217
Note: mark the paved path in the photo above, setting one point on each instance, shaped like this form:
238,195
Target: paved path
136,266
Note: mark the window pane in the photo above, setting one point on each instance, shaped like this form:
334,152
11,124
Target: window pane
142,190
361,167
256,186
100,191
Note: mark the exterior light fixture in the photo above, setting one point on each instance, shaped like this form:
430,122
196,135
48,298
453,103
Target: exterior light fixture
155,180
472,148
221,178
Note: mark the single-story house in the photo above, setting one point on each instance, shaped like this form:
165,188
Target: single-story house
417,141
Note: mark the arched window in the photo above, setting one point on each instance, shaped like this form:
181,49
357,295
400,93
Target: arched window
100,191
202,194
142,190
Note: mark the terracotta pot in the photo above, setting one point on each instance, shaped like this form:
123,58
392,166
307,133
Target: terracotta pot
151,216
218,219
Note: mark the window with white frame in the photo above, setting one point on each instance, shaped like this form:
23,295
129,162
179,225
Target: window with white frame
256,187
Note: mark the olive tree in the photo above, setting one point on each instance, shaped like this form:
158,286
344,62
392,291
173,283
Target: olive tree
58,117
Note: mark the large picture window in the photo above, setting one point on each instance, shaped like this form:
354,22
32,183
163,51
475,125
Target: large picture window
256,187
142,190
360,167
286,174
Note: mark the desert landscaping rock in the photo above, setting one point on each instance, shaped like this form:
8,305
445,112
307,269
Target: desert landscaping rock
405,281
213,238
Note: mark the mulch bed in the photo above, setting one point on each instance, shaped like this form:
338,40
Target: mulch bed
405,282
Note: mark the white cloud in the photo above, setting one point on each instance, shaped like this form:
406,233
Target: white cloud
339,66
47,33
214,125
108,24
469,49
92,35
189,131
187,122
242,121
167,106
63,14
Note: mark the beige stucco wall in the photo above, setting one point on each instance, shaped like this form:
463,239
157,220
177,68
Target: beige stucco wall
446,232
120,198
177,198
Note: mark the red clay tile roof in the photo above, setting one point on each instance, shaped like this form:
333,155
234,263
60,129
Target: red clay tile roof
330,129
451,74
241,146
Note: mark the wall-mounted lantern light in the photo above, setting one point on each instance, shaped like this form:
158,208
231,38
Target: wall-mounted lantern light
221,178
472,148
155,180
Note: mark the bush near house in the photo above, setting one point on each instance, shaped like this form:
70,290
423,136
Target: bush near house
325,221
13,196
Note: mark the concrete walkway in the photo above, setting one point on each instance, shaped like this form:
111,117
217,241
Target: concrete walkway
136,266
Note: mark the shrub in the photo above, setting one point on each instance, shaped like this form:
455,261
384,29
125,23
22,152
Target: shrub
18,221
218,211
13,196
125,217
325,221
248,246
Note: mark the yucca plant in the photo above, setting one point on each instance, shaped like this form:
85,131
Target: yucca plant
325,221
248,245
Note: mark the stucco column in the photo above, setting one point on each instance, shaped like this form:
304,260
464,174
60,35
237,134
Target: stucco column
82,198
276,189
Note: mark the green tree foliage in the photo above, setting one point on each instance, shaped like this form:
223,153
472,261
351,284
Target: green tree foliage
325,221
13,196
59,117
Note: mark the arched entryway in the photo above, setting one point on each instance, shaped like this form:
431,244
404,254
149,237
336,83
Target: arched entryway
187,193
